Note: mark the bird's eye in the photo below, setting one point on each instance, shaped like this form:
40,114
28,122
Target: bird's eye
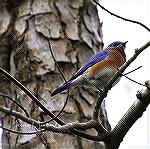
116,44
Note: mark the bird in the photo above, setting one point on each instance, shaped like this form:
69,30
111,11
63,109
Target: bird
99,69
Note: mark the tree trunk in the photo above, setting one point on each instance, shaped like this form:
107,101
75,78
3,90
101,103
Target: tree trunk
74,30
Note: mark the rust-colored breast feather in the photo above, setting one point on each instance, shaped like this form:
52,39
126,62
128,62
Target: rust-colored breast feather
115,60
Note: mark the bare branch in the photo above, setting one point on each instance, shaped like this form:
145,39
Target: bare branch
133,80
113,138
134,112
17,103
20,116
75,125
132,71
125,19
22,133
70,127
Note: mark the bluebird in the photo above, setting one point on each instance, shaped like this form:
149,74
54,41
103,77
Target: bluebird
99,69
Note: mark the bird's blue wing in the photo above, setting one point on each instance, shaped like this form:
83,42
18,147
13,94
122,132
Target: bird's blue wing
93,60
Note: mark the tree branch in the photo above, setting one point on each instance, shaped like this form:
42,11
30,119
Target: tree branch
75,125
70,127
113,138
131,116
125,19
20,116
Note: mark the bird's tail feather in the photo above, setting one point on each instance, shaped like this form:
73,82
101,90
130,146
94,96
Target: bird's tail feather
61,88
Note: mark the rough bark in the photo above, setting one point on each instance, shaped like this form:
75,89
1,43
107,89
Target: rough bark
75,34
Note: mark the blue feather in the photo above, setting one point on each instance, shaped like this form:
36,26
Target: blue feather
93,60
61,88
115,44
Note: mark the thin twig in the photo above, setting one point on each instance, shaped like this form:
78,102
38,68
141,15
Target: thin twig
134,81
125,19
20,116
17,103
132,71
22,133
66,101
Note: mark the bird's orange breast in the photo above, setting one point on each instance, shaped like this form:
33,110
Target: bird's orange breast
115,60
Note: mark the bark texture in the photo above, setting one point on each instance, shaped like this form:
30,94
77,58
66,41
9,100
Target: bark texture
75,33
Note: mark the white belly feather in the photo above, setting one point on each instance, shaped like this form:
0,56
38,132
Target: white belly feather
99,80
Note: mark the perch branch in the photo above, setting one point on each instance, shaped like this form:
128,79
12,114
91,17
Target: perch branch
112,139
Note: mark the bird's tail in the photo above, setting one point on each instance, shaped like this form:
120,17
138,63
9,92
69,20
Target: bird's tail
61,88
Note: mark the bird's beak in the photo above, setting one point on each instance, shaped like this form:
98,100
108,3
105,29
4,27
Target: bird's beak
125,43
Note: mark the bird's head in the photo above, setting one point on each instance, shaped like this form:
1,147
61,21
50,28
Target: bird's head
118,44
